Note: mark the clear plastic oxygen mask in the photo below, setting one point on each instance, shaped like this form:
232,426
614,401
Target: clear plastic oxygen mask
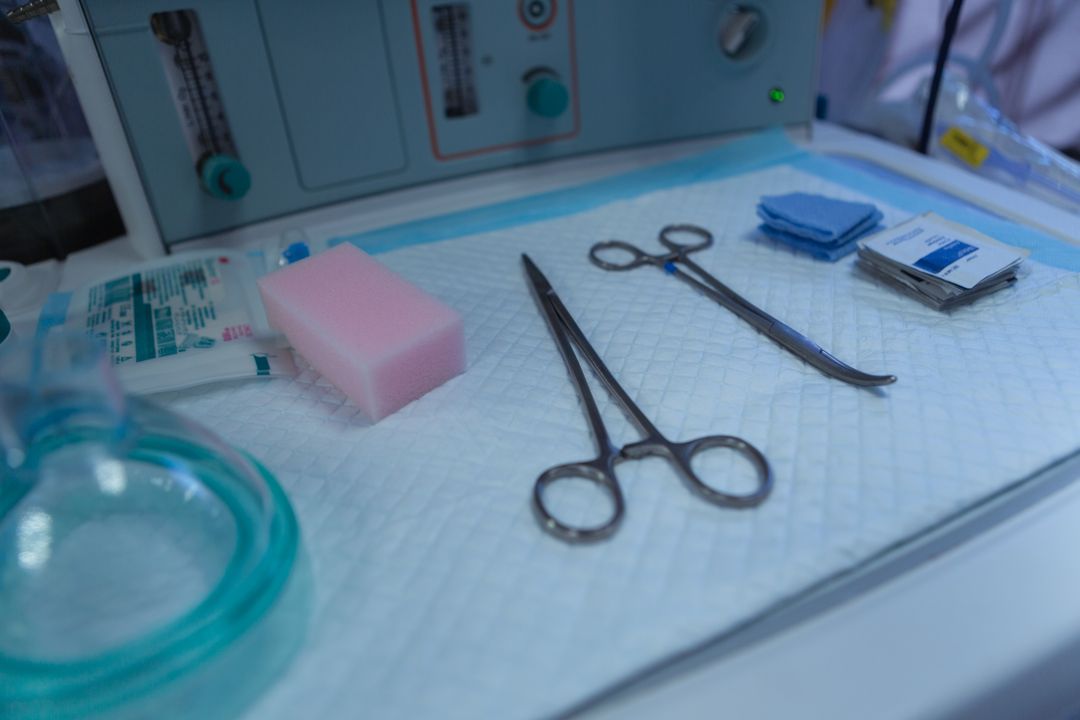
134,544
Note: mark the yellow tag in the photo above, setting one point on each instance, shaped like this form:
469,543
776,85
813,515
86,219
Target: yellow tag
965,147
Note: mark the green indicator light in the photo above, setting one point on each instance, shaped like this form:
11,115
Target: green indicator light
776,95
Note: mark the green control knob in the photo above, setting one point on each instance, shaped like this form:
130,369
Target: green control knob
225,177
548,97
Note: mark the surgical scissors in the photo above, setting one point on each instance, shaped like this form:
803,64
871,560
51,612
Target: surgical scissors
782,334
601,470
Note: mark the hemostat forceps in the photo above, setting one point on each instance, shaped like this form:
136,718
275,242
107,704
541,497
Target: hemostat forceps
780,333
601,470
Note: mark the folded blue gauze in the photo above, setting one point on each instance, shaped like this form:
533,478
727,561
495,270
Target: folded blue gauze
831,251
816,218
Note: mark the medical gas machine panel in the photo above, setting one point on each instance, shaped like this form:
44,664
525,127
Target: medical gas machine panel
236,111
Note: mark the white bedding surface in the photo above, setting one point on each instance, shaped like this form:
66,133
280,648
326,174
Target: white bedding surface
436,592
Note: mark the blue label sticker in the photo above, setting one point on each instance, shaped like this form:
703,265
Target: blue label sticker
943,257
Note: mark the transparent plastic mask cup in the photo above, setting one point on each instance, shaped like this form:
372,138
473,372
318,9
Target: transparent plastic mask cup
134,545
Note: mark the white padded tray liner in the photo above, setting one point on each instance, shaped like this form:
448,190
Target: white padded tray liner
437,594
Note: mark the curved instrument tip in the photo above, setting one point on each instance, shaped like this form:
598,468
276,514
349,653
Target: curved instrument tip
865,380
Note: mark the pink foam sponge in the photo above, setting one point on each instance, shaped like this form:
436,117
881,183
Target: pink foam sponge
379,339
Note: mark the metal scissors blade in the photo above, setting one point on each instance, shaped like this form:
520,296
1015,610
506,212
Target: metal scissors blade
601,470
776,330
565,329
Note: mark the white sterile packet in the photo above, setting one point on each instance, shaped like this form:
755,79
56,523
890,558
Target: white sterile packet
940,262
185,320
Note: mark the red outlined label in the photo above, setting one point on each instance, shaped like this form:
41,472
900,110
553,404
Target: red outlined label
429,107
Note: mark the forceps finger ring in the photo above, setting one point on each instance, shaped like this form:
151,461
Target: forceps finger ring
706,238
763,477
637,257
593,471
